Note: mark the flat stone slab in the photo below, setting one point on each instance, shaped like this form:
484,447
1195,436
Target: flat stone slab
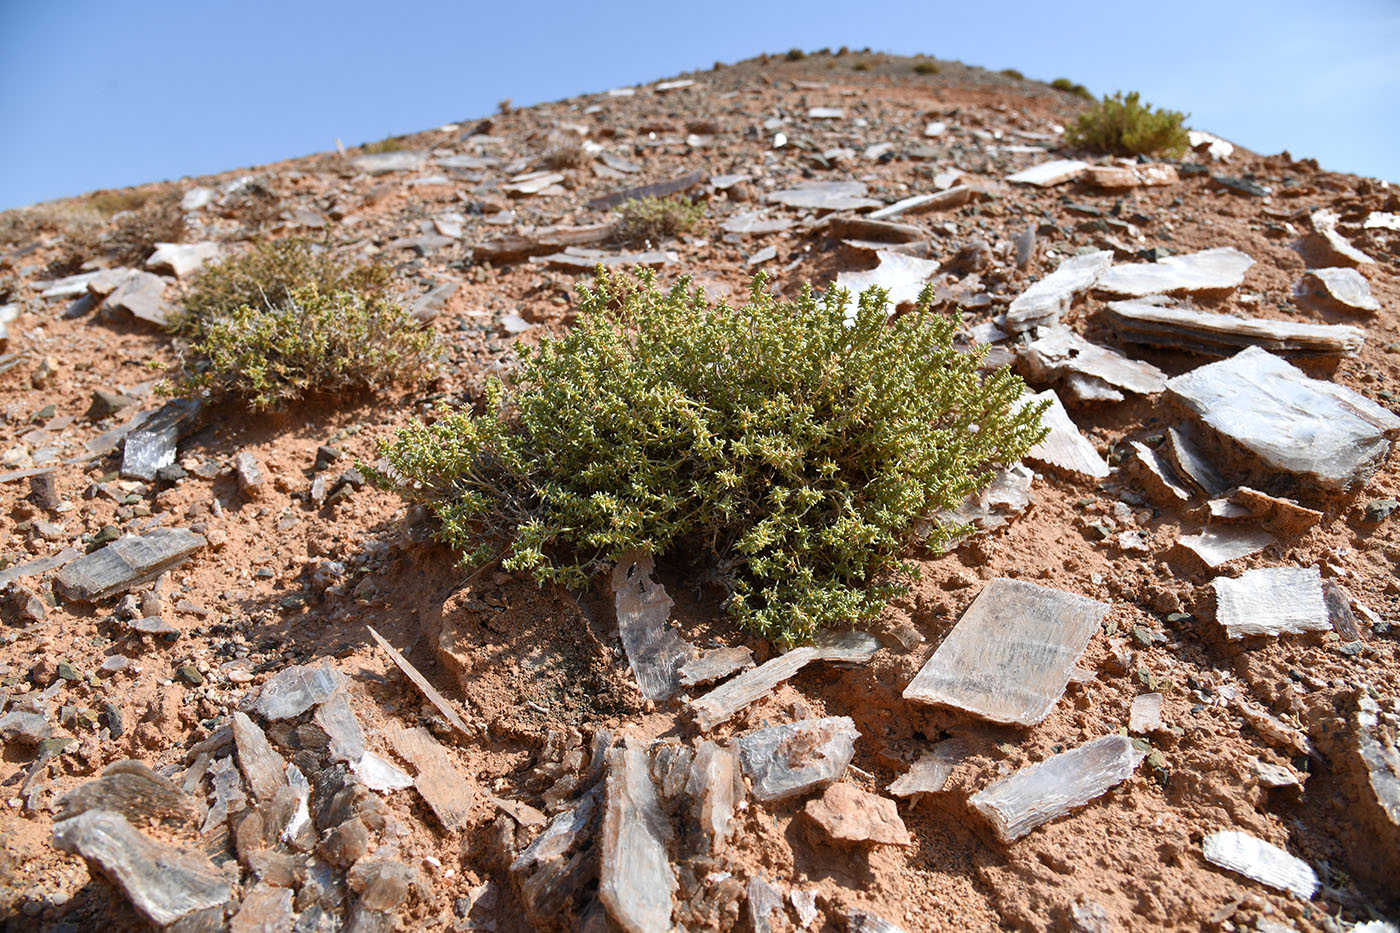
1064,448
1061,355
1326,247
1220,545
753,223
902,276
1209,270
1261,861
1377,751
635,878
1136,176
793,758
1037,794
826,196
142,295
296,689
1048,174
166,884
381,163
1339,288
1048,299
126,562
1316,430
1156,322
181,259
1009,657
1271,601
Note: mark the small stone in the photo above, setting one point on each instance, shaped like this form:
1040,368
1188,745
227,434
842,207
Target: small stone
189,674
249,473
793,758
68,672
1378,510
1262,861
848,814
1206,271
125,563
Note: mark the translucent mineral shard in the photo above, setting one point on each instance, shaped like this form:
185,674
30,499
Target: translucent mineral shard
793,758
1037,794
1209,270
931,771
294,690
1064,448
635,880
126,562
653,648
1262,861
1009,657
1317,430
1047,300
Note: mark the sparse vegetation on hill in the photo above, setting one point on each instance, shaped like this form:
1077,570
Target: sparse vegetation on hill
308,342
797,446
1071,87
652,219
265,277
1121,125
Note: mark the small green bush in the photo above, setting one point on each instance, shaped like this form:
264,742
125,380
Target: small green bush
653,219
926,68
387,144
1070,87
796,55
861,66
796,443
266,276
309,343
1121,125
1012,73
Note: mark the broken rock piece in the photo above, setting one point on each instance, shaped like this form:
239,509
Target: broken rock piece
418,680
142,295
716,788
1048,174
442,786
715,664
635,879
1262,861
127,562
1009,657
826,196
654,650
1037,794
1160,322
848,814
180,259
1063,355
1339,289
166,884
1271,601
1064,448
153,444
1220,545
900,275
1319,431
930,773
1210,270
295,689
1377,752
1325,247
793,758
1047,300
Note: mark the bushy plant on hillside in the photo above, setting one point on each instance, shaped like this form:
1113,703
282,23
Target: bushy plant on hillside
158,219
926,68
266,276
795,442
1014,73
1121,125
1071,87
653,219
308,342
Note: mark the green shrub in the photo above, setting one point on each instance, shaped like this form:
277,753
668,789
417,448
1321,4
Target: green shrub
861,66
1121,125
796,443
1012,73
308,343
796,55
266,276
1069,87
653,219
387,144
926,68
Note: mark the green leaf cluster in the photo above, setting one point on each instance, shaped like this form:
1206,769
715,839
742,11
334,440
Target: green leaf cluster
796,441
310,343
1121,125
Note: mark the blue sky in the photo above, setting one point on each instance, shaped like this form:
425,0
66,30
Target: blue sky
108,94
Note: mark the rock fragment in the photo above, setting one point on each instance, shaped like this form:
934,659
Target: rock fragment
1145,715
1376,754
793,758
825,196
1008,659
635,881
1160,323
181,259
249,473
126,562
900,275
173,888
442,786
421,682
1261,861
654,650
931,771
1135,176
1049,174
1088,371
381,163
142,295
716,788
1037,794
1265,405
132,790
1338,289
715,664
1064,448
1047,300
848,814
153,443
1220,545
265,909
1210,270
262,767
295,689
1325,247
